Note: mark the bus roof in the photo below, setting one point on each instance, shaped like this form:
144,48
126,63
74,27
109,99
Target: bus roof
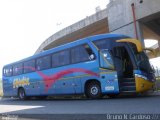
68,45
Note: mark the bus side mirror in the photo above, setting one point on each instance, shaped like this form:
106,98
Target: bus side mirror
151,50
106,59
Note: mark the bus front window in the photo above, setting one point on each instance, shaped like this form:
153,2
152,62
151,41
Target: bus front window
106,59
143,62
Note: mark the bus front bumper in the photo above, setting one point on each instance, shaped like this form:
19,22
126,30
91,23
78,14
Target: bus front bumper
143,85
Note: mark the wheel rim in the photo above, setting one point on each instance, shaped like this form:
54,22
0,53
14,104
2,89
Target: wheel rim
94,90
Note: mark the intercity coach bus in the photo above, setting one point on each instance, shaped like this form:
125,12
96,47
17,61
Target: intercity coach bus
106,64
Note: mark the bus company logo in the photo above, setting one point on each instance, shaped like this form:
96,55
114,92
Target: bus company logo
18,82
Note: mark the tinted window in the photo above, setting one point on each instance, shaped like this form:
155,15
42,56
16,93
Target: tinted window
107,43
61,58
90,52
7,71
43,63
18,69
29,66
81,53
102,44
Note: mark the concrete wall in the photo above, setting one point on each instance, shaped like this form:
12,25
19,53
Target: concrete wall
147,8
120,11
120,16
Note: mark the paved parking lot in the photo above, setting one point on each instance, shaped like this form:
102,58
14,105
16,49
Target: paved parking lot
52,107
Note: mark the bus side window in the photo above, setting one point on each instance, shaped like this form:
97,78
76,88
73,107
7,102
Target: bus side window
79,54
90,52
61,58
101,44
29,66
7,71
18,69
64,57
43,63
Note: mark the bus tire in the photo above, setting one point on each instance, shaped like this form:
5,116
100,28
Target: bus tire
93,90
21,94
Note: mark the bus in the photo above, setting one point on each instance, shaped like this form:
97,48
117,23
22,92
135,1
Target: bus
105,64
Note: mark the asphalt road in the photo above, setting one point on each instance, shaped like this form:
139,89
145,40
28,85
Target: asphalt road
71,108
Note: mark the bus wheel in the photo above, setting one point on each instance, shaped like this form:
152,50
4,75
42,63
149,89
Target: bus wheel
21,94
93,90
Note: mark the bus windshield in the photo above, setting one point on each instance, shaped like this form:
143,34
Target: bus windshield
142,60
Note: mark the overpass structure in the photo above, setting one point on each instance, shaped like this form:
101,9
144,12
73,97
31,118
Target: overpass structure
136,18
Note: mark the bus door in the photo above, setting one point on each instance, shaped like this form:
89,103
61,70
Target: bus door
123,62
108,72
124,66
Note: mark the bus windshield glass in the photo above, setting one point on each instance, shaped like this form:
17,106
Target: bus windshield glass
107,42
142,59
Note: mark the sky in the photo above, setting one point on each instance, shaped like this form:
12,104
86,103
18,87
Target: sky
25,24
